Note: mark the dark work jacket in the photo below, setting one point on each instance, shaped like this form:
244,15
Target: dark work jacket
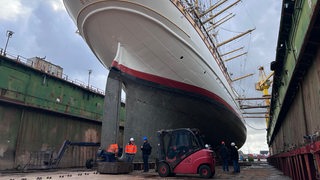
234,153
224,152
146,148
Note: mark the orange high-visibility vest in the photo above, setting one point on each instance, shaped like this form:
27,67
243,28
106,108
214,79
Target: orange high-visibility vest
131,149
113,148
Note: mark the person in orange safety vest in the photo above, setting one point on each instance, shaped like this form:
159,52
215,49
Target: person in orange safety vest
130,150
112,152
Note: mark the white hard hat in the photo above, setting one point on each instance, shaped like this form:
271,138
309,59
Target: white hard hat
233,144
131,139
206,145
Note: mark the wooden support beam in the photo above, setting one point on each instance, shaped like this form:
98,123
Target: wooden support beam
254,98
252,107
255,117
255,113
242,77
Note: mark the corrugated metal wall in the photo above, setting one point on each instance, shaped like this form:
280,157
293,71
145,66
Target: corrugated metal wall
311,94
24,132
9,127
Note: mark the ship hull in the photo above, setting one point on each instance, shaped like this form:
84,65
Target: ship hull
151,106
153,43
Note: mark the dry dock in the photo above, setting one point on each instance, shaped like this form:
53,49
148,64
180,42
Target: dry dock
257,171
293,131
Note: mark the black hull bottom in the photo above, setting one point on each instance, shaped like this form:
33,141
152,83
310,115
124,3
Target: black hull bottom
151,107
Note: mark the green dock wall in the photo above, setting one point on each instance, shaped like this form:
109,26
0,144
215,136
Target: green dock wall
295,99
31,87
38,112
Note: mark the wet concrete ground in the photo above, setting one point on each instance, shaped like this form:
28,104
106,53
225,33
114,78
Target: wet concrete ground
257,171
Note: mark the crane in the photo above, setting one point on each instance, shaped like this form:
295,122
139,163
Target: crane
263,85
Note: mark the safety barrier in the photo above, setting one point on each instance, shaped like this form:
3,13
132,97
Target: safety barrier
28,62
300,163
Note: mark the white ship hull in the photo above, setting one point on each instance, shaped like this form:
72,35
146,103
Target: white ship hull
154,41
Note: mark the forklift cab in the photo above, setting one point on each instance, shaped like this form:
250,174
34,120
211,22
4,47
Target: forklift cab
183,151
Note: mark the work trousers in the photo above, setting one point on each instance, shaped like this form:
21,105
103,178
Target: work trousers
129,157
225,165
145,162
110,157
236,167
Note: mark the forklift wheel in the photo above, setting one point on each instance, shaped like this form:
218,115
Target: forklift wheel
163,169
205,171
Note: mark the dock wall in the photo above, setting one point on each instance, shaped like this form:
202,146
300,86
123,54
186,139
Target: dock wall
27,133
294,130
24,85
38,112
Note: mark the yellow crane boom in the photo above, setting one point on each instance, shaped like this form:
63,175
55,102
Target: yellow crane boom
263,85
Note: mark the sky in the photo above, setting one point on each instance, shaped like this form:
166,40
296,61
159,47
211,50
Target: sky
43,28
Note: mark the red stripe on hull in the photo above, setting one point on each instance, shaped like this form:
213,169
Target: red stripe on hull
171,83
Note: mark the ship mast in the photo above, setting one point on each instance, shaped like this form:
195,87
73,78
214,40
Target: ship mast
229,59
236,37
220,12
232,51
205,20
221,21
210,9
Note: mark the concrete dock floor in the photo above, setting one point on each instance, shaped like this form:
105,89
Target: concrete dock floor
257,171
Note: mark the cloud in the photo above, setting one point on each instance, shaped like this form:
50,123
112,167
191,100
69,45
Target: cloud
261,52
57,5
11,10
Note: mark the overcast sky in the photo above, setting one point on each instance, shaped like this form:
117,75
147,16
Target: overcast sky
43,28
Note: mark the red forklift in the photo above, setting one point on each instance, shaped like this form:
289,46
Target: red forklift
182,151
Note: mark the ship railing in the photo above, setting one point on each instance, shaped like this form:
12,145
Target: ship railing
17,58
82,84
29,63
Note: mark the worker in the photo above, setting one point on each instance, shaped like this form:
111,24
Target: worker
207,146
235,158
112,152
224,153
130,150
146,151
